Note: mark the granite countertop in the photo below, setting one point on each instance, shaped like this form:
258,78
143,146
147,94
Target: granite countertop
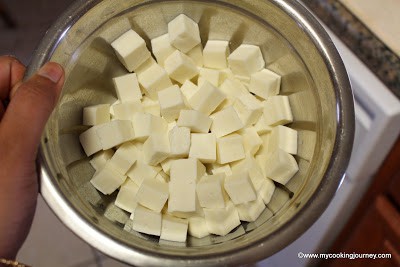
379,58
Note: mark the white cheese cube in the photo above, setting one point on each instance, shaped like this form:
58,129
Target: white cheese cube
198,227
215,54
108,179
186,215
261,159
261,126
141,171
209,191
180,67
182,196
183,33
222,221
127,87
97,114
267,190
174,229
227,74
207,98
250,165
251,140
124,157
100,158
171,125
281,166
171,102
90,141
126,198
115,132
150,106
246,60
161,48
154,79
179,141
284,138
265,83
146,124
156,149
162,177
277,110
244,80
239,187
265,147
230,148
195,120
186,170
145,66
131,50
166,165
248,108
225,169
209,75
225,122
146,221
188,89
203,147
228,102
196,54
127,110
234,88
112,107
152,194
250,211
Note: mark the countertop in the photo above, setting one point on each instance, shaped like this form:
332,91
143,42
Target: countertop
363,36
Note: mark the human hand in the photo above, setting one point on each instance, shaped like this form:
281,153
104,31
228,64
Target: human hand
22,121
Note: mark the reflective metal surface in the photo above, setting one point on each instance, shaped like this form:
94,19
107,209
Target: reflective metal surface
293,44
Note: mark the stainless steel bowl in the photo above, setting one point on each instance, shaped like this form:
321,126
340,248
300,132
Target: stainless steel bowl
293,44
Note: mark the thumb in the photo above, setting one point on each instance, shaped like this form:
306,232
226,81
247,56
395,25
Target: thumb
28,111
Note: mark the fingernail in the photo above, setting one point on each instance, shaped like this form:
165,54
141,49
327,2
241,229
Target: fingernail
52,71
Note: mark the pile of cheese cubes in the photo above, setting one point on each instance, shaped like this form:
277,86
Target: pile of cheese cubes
196,138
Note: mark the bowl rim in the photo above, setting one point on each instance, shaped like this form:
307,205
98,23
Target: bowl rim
267,246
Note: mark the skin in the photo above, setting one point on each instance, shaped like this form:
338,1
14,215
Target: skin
24,110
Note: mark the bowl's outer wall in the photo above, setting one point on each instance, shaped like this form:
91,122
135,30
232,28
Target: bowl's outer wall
294,45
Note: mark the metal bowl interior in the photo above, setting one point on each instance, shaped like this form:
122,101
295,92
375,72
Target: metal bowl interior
293,44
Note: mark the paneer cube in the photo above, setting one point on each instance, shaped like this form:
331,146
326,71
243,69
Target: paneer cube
156,149
250,211
233,88
261,125
100,158
174,229
215,54
141,171
225,169
284,138
251,140
162,48
152,194
114,133
222,221
277,110
195,120
249,109
210,75
246,60
198,227
127,110
225,122
267,190
131,50
281,166
146,124
108,179
203,147
171,102
188,89
230,148
180,67
126,198
90,140
187,170
151,106
196,54
210,191
183,33
207,98
127,87
265,83
97,114
240,188
179,141
147,221
154,79
124,157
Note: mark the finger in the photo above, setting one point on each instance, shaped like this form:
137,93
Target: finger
28,111
11,73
